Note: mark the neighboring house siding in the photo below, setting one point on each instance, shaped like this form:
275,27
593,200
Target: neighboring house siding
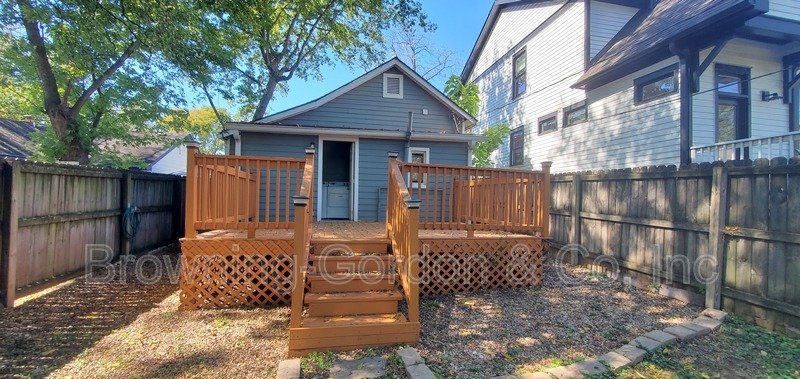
605,21
174,162
766,118
364,107
785,9
511,28
549,77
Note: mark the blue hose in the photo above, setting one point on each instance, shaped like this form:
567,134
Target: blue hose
130,222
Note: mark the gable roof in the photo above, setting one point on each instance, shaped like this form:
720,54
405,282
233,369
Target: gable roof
150,152
15,137
646,38
394,62
497,7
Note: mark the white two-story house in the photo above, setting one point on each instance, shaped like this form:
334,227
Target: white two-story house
600,84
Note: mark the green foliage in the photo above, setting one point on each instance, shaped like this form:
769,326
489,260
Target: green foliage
495,134
203,124
316,364
465,95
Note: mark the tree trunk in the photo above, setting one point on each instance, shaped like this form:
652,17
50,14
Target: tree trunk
67,130
266,97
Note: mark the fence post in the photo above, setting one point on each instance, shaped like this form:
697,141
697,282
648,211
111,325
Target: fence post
126,200
575,220
192,149
545,205
11,194
716,240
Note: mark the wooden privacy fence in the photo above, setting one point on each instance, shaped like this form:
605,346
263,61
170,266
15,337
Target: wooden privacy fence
236,192
50,213
675,224
465,198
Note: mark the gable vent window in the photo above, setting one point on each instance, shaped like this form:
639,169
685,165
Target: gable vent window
393,86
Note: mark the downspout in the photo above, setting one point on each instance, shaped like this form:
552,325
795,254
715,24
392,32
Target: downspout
409,130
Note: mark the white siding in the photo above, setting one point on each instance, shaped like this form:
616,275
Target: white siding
766,118
605,21
511,27
785,9
173,162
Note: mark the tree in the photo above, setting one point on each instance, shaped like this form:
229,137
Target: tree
482,152
203,123
92,67
282,39
465,95
412,45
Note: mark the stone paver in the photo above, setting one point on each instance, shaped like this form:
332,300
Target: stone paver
683,333
701,330
615,360
289,369
420,371
537,375
374,367
410,356
661,336
716,314
631,352
708,322
565,372
591,367
646,343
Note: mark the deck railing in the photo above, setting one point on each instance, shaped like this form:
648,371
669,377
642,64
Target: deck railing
465,198
238,192
303,206
402,227
784,145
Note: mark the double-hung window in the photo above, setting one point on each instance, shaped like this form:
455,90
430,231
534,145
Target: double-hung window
517,146
520,83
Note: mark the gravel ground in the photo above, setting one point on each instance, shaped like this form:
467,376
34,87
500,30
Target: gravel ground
135,330
498,332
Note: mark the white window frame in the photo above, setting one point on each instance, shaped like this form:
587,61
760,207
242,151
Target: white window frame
386,78
427,154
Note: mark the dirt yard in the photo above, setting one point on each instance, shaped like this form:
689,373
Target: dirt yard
128,329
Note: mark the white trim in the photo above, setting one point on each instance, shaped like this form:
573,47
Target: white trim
394,62
427,153
383,134
353,174
386,78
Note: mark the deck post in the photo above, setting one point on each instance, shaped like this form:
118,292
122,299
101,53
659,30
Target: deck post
300,230
413,259
545,200
392,162
192,149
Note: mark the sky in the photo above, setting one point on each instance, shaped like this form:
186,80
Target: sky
459,23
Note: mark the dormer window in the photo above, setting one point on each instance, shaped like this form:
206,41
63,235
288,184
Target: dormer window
393,86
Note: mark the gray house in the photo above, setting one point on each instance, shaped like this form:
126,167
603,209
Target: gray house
388,109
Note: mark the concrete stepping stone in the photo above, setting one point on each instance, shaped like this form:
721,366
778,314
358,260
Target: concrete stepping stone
707,322
661,336
571,371
289,369
410,356
701,330
683,333
537,375
716,314
374,367
591,367
615,360
420,371
646,343
631,352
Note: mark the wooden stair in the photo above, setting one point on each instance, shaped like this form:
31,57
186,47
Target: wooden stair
352,299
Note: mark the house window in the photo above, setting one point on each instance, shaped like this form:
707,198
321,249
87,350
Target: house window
393,86
517,146
520,82
576,114
418,155
654,86
548,123
733,103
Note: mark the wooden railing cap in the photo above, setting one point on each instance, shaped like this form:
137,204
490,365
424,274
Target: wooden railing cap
413,203
393,154
300,200
310,150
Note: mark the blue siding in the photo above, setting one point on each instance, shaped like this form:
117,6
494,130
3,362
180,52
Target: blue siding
364,107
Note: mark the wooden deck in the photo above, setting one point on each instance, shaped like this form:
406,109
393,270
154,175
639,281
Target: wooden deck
354,230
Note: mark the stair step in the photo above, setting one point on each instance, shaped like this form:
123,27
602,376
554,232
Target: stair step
350,246
353,263
317,322
352,303
376,296
351,332
351,282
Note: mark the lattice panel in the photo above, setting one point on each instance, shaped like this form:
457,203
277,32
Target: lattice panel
232,273
452,265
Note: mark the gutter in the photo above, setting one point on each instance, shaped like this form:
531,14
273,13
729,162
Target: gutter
363,133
